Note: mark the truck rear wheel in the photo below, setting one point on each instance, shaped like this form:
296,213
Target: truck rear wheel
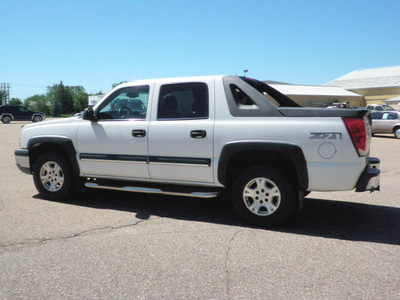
396,132
53,176
264,196
37,119
6,119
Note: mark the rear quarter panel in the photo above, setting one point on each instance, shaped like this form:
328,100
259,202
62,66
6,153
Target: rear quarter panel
332,161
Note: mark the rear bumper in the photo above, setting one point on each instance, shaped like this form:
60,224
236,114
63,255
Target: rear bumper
22,160
369,179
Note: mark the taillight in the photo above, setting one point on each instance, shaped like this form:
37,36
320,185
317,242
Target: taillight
358,134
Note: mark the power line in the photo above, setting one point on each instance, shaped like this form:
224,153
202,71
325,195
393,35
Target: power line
29,85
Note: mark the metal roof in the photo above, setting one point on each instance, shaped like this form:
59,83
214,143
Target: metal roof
310,90
395,99
368,78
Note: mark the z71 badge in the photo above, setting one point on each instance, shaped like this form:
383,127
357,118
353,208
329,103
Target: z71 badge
326,136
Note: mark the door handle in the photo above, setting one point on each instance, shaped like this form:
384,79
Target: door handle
198,134
138,133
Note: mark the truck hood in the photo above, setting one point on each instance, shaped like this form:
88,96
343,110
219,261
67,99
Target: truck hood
58,121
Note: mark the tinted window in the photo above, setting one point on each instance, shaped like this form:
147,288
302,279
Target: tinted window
389,116
183,101
279,98
241,98
387,107
376,115
24,109
125,103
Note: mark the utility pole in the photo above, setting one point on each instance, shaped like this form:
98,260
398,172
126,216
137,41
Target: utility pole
8,94
4,93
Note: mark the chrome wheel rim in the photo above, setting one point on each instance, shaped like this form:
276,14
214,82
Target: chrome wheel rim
6,119
37,119
52,176
261,196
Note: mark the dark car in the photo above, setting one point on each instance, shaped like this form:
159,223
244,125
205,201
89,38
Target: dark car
9,113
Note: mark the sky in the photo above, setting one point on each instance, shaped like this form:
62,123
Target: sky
97,43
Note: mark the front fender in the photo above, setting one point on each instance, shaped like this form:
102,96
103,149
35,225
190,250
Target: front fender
51,143
7,114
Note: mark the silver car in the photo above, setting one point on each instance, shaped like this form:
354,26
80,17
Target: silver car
385,122
379,107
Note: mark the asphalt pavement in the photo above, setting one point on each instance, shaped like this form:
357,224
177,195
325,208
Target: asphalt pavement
114,245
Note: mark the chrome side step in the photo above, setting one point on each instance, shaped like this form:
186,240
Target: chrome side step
151,190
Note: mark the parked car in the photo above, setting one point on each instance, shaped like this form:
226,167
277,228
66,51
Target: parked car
380,107
9,113
339,105
385,122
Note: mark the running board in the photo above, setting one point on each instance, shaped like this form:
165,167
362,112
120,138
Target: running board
151,190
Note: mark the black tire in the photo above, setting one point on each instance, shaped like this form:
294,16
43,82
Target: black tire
54,178
6,119
264,196
37,119
394,132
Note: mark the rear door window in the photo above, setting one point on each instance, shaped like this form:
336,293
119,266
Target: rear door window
183,101
376,115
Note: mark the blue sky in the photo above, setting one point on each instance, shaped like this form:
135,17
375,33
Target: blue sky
97,43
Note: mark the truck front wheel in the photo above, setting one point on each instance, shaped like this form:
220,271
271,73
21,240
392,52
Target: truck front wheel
53,176
264,196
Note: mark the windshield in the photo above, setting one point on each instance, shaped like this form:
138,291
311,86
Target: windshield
281,99
387,107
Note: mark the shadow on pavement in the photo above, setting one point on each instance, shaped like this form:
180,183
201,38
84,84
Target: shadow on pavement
391,136
321,218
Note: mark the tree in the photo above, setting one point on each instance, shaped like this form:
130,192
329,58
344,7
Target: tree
116,84
79,97
15,101
56,108
61,99
98,93
38,103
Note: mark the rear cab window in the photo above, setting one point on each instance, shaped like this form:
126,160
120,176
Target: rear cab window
252,98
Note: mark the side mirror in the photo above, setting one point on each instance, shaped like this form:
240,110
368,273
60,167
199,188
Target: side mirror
89,114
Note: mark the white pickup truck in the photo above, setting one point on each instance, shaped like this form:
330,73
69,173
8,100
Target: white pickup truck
198,136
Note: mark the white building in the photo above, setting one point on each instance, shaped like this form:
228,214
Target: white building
377,85
92,100
319,96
